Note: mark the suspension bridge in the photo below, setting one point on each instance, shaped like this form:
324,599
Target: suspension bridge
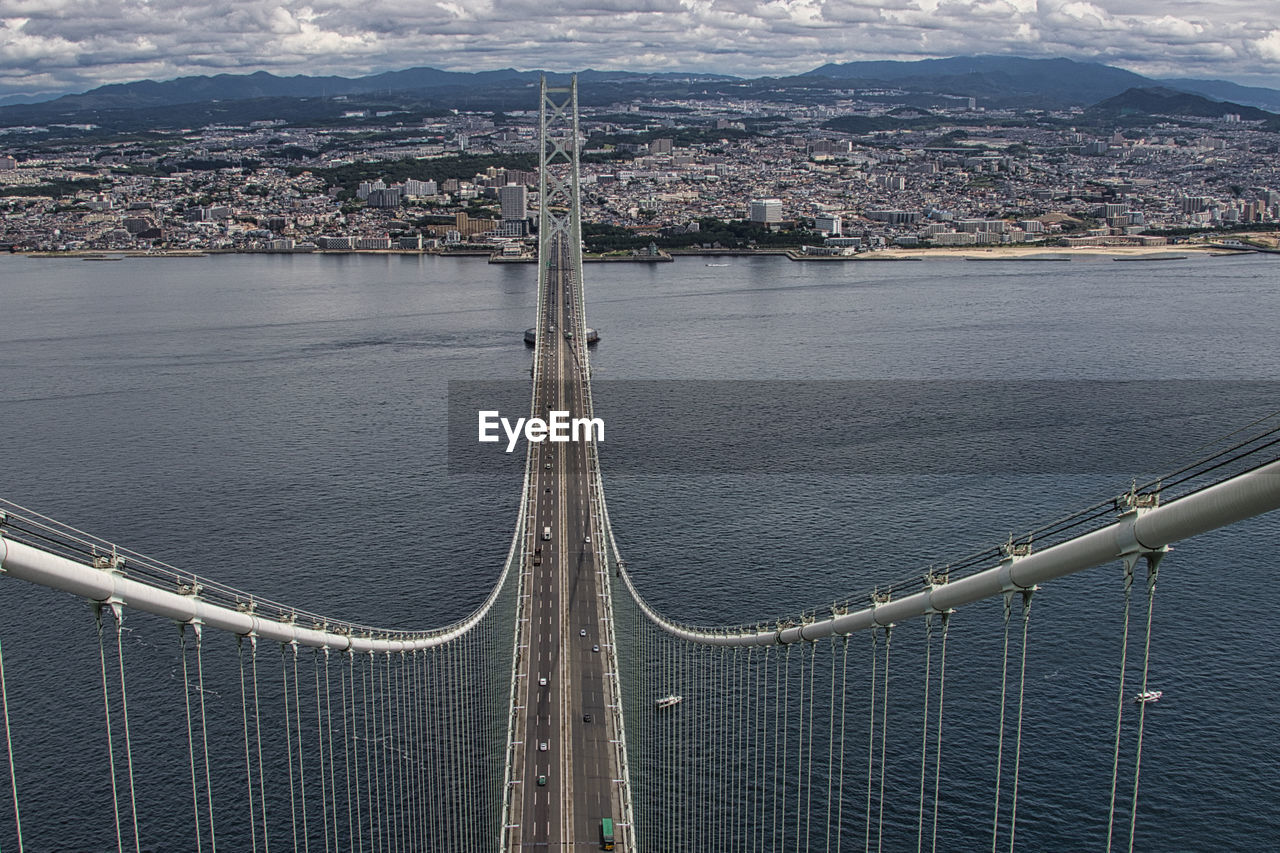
568,713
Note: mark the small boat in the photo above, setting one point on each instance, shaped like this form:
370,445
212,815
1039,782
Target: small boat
717,265
1146,697
667,702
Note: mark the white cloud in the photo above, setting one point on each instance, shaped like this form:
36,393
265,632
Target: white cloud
1266,48
70,44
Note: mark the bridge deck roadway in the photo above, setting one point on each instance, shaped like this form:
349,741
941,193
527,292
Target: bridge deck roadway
565,616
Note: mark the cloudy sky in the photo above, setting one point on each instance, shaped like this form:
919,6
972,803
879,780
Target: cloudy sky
73,45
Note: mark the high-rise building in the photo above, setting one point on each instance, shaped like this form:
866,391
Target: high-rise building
415,189
765,211
1194,203
514,199
827,223
385,197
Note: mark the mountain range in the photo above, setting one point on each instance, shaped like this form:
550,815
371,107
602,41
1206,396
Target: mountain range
996,81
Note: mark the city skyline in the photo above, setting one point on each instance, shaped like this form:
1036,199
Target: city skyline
50,47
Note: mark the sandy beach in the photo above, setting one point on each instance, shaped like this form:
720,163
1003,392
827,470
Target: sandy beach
1045,253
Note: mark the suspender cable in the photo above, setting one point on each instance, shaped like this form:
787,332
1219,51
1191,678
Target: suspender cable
288,741
1004,671
924,735
391,706
386,811
408,692
844,695
366,716
710,656
472,690
409,677
370,745
402,801
746,783
406,756
106,708
742,688
435,798
831,742
728,731
723,732
355,824
871,734
378,750
344,662
412,703
734,696
754,686
1153,570
204,734
415,753
449,751
476,719
786,737
257,728
1017,749
324,789
689,827
328,715
386,745
244,721
394,750
438,806
385,717
399,802
302,770
118,611
667,680
685,749
191,748
469,721
425,709
8,745
806,748
1124,655
762,748
884,733
778,680
735,755
937,758
459,741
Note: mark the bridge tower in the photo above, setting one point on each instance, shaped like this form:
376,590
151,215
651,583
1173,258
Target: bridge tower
560,211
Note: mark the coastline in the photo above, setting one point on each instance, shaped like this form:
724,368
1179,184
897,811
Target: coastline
994,253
